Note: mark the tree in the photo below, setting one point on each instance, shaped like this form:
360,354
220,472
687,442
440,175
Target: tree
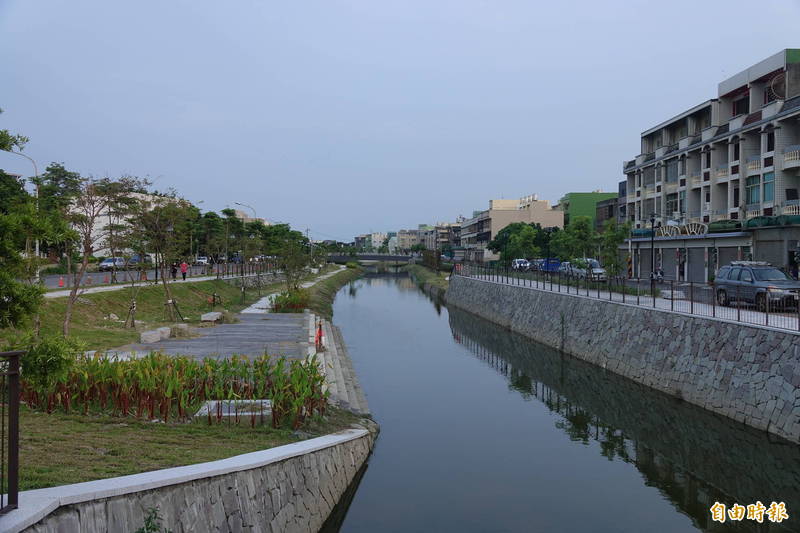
293,259
501,240
12,192
419,247
18,300
163,220
610,240
521,244
10,141
94,199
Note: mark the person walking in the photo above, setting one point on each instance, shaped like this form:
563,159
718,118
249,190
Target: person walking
174,271
184,268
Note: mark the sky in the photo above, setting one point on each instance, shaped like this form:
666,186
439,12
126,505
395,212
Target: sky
346,116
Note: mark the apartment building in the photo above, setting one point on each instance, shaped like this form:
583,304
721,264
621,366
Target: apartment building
713,177
612,208
440,235
406,238
582,204
477,231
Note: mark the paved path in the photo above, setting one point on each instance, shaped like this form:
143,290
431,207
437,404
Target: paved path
254,335
257,332
737,313
120,286
263,305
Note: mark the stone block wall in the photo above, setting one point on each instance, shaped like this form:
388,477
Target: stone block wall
748,373
293,495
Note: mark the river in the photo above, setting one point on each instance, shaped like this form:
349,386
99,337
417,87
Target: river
483,430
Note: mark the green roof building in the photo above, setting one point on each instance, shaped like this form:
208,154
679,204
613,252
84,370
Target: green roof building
582,204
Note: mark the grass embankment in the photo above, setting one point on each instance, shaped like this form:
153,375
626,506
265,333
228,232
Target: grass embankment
93,323
59,449
322,294
426,276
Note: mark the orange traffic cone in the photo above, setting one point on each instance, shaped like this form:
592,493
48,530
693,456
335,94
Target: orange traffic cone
61,281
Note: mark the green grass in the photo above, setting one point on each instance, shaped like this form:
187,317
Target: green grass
423,275
59,449
322,294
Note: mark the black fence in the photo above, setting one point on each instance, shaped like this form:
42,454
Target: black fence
9,430
735,303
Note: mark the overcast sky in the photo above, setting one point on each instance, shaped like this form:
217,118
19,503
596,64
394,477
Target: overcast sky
351,116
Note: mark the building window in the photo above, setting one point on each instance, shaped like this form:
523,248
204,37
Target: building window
770,141
672,204
707,159
741,106
752,193
736,151
682,202
672,171
769,187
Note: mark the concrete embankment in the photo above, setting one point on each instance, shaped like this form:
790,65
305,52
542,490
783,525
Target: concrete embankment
428,281
289,488
748,373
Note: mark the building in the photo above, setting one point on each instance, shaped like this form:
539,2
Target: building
720,180
407,238
477,231
582,204
370,242
244,217
606,210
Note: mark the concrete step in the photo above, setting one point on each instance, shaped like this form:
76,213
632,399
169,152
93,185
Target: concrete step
342,396
358,400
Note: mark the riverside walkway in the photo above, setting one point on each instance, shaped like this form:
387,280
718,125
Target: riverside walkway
678,300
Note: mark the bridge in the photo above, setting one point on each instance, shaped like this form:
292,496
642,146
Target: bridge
369,258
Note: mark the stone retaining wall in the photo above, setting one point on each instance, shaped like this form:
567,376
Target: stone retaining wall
748,373
289,488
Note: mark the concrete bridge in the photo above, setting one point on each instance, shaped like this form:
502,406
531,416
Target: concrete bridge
369,258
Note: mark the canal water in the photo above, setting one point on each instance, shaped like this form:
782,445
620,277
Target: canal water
483,430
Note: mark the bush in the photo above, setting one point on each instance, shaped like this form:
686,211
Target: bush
352,264
290,302
46,366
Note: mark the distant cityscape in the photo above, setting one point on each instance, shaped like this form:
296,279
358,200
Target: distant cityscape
716,183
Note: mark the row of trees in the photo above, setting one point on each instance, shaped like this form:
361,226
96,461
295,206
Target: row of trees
579,239
71,216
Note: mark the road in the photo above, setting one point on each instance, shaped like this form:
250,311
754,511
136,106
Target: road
54,281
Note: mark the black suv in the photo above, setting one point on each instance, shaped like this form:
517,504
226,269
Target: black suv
758,283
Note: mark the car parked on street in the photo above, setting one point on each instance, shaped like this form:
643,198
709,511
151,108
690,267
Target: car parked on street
201,260
565,268
111,263
758,283
587,268
137,260
521,265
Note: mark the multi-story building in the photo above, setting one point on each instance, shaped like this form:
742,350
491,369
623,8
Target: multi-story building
718,177
478,231
612,208
407,238
582,204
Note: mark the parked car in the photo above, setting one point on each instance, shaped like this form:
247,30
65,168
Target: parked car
111,263
565,268
202,260
137,260
548,265
756,282
592,269
520,264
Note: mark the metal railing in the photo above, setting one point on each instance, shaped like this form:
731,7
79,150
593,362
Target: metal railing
9,430
738,303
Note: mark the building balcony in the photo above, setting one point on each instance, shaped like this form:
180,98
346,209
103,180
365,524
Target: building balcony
790,207
696,180
754,164
631,198
791,157
753,210
722,172
706,208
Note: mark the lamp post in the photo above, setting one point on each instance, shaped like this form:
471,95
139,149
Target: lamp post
244,244
652,251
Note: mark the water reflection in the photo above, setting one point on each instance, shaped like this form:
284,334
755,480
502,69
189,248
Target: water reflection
690,455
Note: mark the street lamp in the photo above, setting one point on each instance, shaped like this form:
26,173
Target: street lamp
652,250
244,244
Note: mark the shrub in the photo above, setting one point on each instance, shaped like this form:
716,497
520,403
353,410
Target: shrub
46,367
290,302
352,264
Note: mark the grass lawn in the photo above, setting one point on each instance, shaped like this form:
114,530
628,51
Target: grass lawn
92,324
424,275
59,449
322,294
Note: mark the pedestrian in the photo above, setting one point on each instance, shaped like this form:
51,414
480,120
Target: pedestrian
174,271
184,268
